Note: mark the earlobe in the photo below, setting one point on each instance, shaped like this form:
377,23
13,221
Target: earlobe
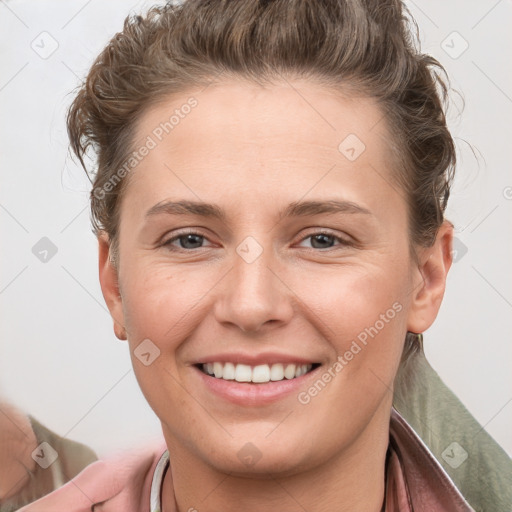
109,283
430,280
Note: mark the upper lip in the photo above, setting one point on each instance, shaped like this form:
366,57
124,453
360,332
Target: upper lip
254,359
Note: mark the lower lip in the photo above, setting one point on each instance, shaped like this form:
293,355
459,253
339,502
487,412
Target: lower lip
248,393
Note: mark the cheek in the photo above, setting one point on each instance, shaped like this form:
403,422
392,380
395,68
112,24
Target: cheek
364,318
354,299
157,304
158,299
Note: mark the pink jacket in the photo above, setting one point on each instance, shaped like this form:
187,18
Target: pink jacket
416,482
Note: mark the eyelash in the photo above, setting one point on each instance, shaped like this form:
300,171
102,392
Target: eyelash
326,232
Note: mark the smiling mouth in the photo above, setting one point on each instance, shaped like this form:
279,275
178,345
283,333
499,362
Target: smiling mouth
259,374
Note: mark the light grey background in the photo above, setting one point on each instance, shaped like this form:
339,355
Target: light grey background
59,358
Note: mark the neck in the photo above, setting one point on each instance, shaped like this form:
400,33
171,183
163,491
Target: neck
353,479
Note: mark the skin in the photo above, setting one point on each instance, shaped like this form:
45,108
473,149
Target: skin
252,151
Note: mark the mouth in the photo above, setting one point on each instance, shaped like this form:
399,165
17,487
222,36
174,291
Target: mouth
258,374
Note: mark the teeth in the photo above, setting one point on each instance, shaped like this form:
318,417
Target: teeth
243,373
229,371
217,370
289,371
261,373
258,374
277,372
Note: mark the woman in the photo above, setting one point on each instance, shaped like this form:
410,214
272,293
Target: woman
268,202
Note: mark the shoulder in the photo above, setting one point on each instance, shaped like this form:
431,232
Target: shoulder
428,485
119,482
474,461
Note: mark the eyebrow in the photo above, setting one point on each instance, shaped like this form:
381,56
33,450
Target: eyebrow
295,209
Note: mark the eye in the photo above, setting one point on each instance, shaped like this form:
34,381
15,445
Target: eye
187,241
325,239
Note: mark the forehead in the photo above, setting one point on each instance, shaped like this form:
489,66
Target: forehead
299,111
253,139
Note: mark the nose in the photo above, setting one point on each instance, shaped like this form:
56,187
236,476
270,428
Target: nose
253,294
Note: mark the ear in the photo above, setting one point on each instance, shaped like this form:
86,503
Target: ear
429,280
110,286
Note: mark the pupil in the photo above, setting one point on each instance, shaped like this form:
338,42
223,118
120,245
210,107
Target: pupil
321,237
190,238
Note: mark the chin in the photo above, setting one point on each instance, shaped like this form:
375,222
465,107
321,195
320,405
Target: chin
266,468
258,457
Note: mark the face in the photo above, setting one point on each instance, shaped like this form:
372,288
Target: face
300,263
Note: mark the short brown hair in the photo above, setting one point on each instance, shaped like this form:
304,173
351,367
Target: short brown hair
363,45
